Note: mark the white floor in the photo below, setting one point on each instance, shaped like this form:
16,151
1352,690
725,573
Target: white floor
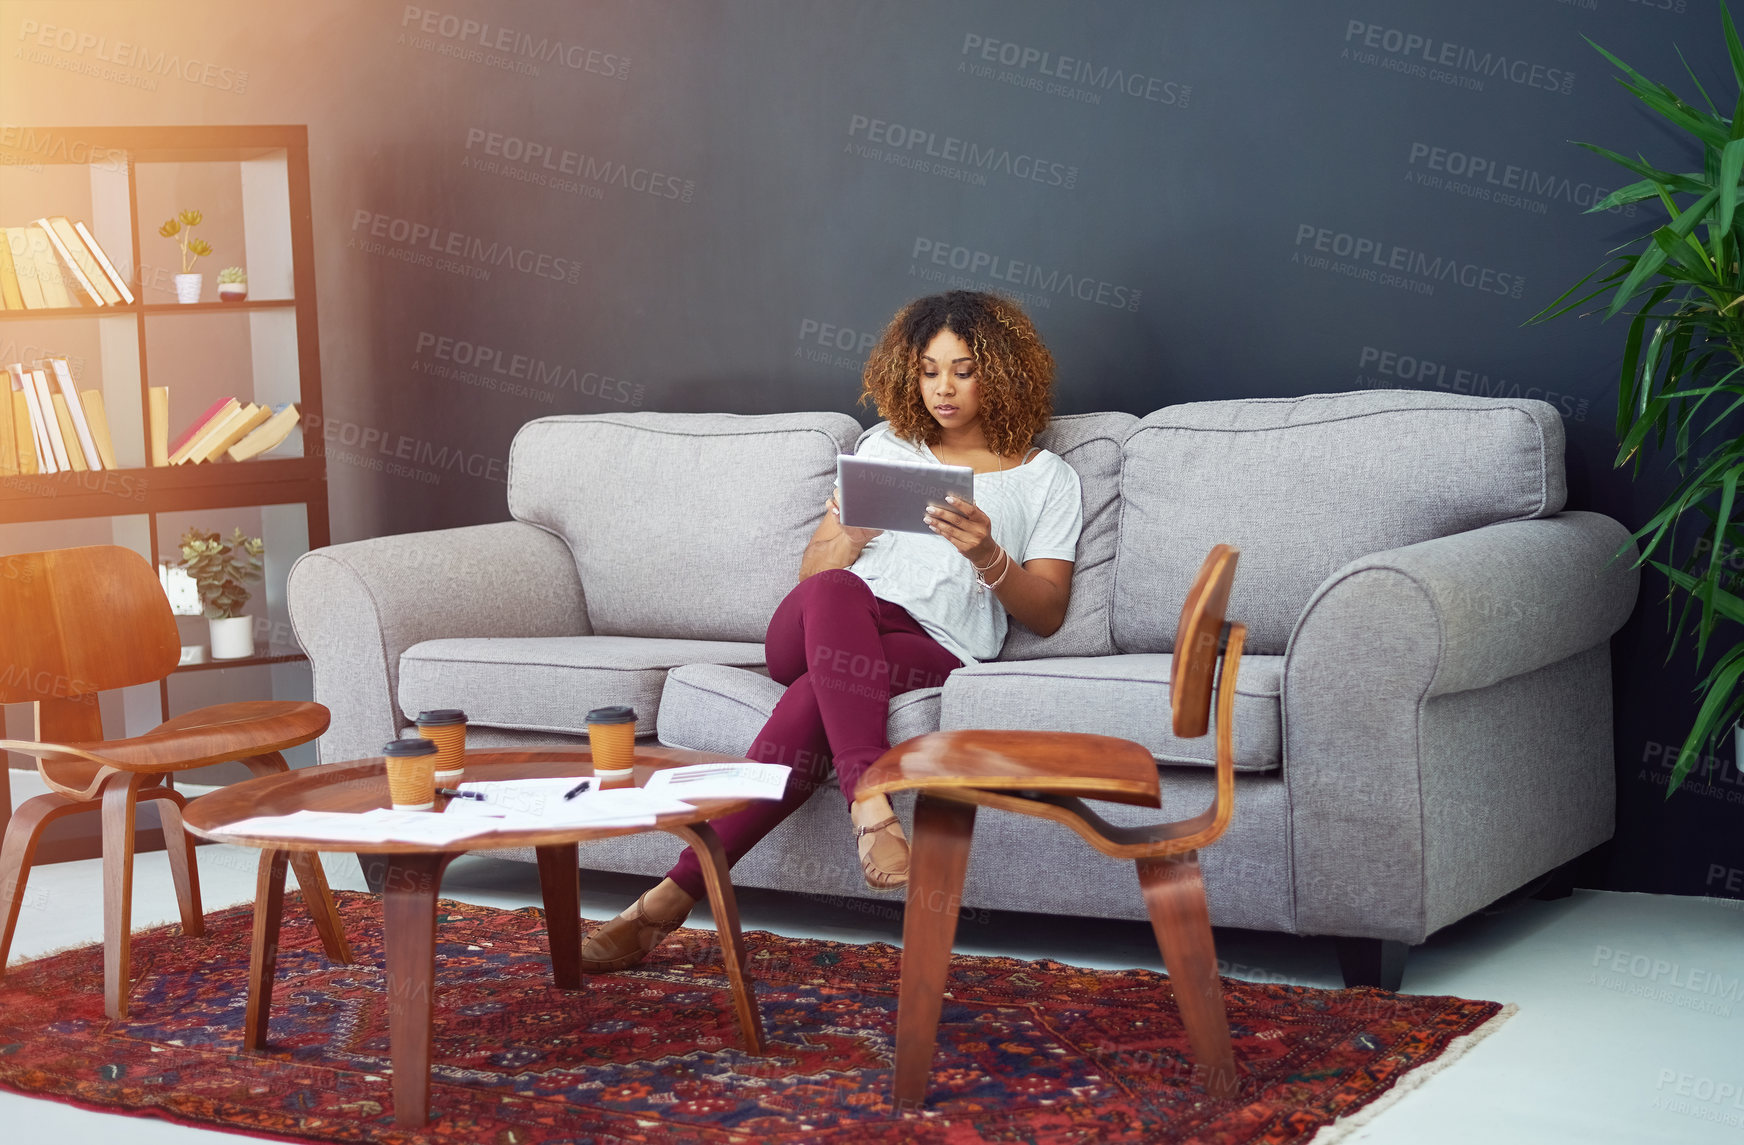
1628,1031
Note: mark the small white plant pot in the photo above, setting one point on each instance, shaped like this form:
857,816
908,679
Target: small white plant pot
232,291
232,637
188,287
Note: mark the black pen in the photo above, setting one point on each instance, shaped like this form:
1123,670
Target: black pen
578,788
452,794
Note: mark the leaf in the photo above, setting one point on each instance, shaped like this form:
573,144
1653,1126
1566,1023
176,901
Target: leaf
1654,257
1731,168
1691,183
1734,49
1718,689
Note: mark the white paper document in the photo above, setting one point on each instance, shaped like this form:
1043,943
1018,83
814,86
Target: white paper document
619,807
745,780
535,797
381,825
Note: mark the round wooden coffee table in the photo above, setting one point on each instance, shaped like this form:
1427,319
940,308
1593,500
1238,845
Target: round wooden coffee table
414,876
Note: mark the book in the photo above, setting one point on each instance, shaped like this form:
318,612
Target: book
55,295
9,293
69,436
8,435
63,376
97,417
78,284
24,437
271,432
109,271
179,445
84,261
191,448
51,426
24,268
217,432
235,431
158,422
24,389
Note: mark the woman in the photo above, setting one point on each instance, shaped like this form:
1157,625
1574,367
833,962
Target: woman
963,379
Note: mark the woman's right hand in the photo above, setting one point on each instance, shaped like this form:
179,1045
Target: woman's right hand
860,537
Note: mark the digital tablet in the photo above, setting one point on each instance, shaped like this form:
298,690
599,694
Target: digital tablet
880,494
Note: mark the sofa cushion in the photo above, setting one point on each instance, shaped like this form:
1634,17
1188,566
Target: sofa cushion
550,683
720,504
1090,444
1303,485
711,707
1125,696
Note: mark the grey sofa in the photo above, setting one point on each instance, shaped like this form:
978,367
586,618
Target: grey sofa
1423,719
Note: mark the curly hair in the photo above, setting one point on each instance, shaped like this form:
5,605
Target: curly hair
1014,371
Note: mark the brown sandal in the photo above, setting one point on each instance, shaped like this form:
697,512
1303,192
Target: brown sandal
888,875
622,942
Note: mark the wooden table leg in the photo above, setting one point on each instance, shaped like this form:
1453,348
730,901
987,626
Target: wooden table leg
119,808
311,876
263,952
1175,897
318,900
725,906
943,829
409,891
560,884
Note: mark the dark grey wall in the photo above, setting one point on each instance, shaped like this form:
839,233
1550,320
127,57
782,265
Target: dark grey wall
696,205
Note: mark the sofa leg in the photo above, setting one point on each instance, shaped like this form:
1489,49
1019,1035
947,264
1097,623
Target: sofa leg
1372,962
1558,884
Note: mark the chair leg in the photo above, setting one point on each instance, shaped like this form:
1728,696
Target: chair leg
179,847
1175,897
119,807
943,830
19,849
311,876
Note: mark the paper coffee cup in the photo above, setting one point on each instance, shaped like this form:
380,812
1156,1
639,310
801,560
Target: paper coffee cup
411,766
446,728
611,734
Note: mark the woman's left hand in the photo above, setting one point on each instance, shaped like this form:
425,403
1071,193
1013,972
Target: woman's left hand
965,526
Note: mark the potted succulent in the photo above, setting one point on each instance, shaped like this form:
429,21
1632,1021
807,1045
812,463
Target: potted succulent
221,570
232,284
1682,380
187,282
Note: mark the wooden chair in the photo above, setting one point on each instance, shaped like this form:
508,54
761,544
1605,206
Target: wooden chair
1047,775
73,623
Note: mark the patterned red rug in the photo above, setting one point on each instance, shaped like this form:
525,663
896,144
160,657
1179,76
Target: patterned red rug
1029,1051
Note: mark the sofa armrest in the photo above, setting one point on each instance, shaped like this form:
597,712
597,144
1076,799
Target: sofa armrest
357,607
1491,603
1447,722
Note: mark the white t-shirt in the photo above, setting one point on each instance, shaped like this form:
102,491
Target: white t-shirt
1037,512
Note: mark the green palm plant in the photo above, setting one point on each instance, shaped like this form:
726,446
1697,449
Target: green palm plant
1682,376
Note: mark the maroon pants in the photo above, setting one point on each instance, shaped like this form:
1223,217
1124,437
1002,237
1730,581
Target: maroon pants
842,653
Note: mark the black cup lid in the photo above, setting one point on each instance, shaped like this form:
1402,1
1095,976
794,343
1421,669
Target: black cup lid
403,747
613,715
440,716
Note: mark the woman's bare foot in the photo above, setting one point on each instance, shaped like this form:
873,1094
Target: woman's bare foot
627,939
882,845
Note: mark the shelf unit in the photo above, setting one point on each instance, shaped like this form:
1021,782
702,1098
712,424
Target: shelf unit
146,342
